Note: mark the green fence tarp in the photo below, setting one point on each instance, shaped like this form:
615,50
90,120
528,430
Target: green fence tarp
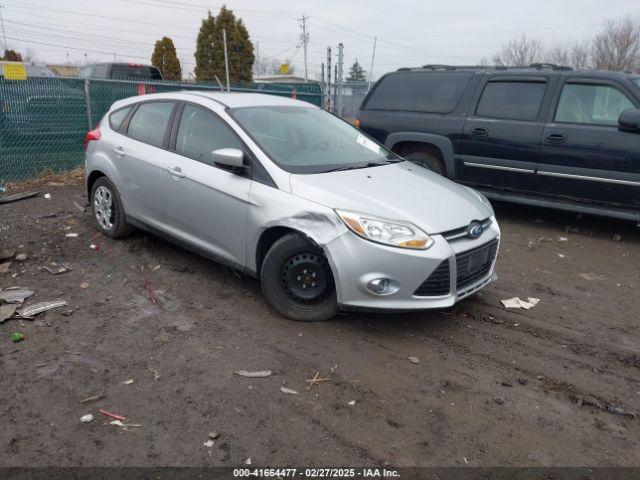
43,121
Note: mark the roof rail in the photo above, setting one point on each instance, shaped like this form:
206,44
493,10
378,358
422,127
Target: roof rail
551,66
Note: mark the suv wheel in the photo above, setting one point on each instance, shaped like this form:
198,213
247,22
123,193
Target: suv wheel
297,280
428,161
107,209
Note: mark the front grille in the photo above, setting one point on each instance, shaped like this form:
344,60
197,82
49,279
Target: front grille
468,275
462,231
438,283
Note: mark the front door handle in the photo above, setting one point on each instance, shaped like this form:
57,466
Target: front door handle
175,171
480,132
555,138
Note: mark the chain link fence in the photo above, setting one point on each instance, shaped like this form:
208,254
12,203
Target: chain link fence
43,121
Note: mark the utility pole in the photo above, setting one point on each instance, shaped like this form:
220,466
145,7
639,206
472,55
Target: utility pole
226,58
328,106
373,56
305,40
4,35
114,57
339,99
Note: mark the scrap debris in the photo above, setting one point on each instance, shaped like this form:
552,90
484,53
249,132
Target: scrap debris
259,374
17,337
38,308
87,418
316,380
604,406
150,293
289,391
94,398
56,269
413,359
112,415
18,196
516,302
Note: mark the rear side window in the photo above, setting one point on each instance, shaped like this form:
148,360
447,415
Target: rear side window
591,104
149,123
511,100
432,92
100,71
201,132
116,118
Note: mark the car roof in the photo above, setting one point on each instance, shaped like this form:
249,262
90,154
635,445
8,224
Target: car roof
226,99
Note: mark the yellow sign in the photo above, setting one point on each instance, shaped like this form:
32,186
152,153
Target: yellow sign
14,71
284,69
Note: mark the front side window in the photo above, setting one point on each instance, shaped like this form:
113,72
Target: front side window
511,100
201,132
149,123
310,140
591,104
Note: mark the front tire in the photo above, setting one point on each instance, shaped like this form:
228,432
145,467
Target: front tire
297,281
428,161
108,210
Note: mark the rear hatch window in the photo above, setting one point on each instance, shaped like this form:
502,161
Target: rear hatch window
433,92
135,72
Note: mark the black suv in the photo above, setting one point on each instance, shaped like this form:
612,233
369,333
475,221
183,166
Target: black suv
543,135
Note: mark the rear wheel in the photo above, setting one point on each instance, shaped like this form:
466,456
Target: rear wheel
428,161
107,209
297,280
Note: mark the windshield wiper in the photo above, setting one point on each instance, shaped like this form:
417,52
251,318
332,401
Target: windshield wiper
362,165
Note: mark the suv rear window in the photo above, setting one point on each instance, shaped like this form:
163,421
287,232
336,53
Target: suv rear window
432,92
511,100
135,72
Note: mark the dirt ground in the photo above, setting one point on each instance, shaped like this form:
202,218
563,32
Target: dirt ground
493,386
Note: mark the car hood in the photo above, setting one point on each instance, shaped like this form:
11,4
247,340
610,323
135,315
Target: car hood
401,191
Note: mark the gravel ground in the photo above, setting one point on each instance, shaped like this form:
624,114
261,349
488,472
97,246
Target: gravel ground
549,386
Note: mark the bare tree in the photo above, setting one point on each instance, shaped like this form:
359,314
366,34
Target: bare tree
617,47
520,52
570,54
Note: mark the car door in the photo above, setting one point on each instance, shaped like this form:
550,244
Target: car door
208,205
584,155
142,161
500,140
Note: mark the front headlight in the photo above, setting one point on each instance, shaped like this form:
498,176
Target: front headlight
394,233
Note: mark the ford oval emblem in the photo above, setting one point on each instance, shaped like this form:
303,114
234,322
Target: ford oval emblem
474,230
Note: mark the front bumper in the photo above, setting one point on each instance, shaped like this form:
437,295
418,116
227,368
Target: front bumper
355,262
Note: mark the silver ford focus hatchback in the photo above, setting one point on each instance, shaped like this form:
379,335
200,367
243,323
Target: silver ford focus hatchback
325,217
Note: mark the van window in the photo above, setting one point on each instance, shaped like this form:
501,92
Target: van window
591,104
433,92
135,72
100,71
511,100
149,123
201,132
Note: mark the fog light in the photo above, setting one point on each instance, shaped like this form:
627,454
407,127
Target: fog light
379,286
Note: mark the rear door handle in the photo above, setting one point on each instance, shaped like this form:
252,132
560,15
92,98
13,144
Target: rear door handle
175,171
119,151
555,138
480,132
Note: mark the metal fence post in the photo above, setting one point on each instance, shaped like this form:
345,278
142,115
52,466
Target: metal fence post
87,101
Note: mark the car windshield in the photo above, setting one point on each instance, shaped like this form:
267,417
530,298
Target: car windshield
310,140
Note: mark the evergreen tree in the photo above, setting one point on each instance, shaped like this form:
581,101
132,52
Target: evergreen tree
164,57
357,73
210,49
12,56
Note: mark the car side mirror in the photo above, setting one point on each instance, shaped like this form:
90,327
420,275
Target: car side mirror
231,159
629,120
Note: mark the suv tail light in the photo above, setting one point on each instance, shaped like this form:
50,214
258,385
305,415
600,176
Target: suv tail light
92,135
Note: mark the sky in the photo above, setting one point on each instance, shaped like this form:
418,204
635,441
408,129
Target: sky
409,32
